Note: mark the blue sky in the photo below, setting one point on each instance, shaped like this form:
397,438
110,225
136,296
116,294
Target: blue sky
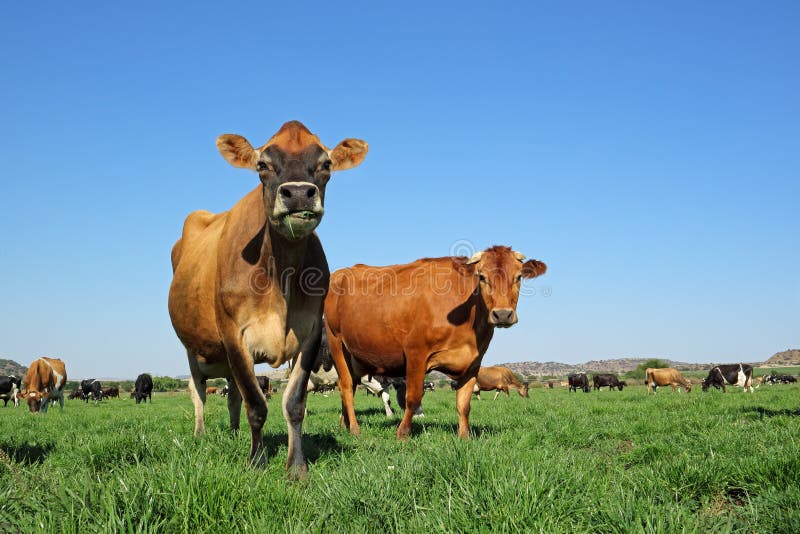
649,154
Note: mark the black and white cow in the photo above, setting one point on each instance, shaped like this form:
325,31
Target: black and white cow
607,379
379,386
143,388
778,379
92,388
578,381
734,374
9,389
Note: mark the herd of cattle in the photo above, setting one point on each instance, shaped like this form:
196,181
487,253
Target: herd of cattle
251,285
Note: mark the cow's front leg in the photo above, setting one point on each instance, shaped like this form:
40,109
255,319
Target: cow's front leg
463,397
294,405
241,365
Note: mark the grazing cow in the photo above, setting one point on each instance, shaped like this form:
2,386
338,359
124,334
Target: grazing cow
44,382
264,385
9,389
211,390
143,388
578,381
666,376
498,378
111,392
224,391
432,314
735,374
249,283
77,393
91,388
607,379
379,386
778,379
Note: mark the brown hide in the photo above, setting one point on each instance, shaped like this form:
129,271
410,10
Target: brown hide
432,314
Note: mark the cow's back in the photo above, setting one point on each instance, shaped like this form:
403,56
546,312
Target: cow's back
192,292
379,311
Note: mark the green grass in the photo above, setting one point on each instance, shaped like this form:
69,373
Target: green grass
556,462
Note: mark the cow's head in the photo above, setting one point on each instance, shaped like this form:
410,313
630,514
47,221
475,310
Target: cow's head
35,399
294,167
524,389
500,271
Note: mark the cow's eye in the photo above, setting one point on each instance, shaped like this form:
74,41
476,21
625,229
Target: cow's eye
519,278
326,165
261,166
481,277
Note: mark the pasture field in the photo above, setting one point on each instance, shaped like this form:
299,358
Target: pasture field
556,462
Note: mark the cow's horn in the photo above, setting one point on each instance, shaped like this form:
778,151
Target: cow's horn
519,255
475,258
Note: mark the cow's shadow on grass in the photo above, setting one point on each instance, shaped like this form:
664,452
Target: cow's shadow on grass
27,453
419,426
314,445
769,412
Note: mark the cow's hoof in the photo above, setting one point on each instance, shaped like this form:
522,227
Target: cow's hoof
297,472
259,459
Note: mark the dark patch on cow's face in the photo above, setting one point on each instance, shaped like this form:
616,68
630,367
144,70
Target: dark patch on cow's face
294,188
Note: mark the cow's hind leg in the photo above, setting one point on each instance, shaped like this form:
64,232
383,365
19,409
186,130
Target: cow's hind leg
415,379
234,405
347,385
197,391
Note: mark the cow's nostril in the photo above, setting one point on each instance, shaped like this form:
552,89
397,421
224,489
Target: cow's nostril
286,192
311,192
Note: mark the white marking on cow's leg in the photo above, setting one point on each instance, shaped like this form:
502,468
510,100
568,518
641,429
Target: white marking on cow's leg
197,392
386,403
14,394
496,393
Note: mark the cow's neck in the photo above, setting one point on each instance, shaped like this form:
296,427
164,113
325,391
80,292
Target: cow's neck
282,259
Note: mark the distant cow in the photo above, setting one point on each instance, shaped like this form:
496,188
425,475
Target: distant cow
778,379
578,381
499,379
111,392
211,390
9,389
76,394
91,388
735,374
264,386
143,388
607,379
666,377
44,382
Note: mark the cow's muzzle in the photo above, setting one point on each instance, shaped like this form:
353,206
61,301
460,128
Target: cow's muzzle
503,317
298,208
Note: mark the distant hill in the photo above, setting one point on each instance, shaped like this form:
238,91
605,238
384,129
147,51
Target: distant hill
10,367
618,365
784,359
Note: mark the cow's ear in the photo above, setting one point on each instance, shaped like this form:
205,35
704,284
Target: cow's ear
533,268
237,151
348,154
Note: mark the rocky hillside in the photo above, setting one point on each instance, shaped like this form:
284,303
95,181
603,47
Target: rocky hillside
619,365
783,359
10,367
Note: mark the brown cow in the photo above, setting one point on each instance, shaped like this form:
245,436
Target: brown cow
211,390
498,378
111,392
432,314
44,382
249,283
666,377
